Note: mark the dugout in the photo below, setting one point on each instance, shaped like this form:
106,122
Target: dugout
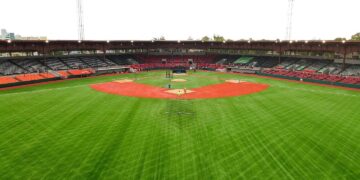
179,70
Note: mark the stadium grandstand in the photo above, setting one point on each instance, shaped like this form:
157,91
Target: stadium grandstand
325,62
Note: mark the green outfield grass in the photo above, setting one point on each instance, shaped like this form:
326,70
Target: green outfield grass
66,130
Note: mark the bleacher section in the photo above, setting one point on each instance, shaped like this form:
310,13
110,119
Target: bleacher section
242,60
316,66
177,59
8,68
119,60
226,60
30,65
264,62
333,68
109,62
162,62
55,64
353,70
94,62
74,63
270,63
285,63
300,65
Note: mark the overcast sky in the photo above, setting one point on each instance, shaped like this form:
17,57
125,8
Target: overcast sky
179,19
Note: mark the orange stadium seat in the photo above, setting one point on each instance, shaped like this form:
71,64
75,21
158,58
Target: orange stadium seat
80,72
63,73
29,77
7,80
47,75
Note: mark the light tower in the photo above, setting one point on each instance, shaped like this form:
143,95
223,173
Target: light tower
81,35
289,20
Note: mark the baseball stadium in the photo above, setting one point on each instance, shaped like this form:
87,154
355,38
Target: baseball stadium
179,109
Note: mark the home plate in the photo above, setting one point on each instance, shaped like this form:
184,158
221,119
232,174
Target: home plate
178,80
234,81
179,91
124,81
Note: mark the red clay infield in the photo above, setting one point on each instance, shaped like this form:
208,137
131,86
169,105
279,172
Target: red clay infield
134,89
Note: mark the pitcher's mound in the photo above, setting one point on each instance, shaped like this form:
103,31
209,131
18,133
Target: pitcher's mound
178,80
123,81
179,91
234,81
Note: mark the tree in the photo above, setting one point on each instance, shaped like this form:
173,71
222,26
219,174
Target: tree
161,38
340,39
190,38
205,38
356,37
218,38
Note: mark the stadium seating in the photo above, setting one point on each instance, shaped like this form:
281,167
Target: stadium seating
55,64
119,60
63,74
333,68
36,69
31,65
300,65
316,66
94,61
7,80
47,75
285,64
351,80
78,72
243,60
29,77
75,63
267,62
109,62
161,62
353,70
9,68
226,60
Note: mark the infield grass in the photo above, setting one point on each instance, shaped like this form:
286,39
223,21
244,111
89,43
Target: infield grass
66,130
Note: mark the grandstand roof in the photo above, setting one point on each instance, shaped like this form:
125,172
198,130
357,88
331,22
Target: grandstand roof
280,46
